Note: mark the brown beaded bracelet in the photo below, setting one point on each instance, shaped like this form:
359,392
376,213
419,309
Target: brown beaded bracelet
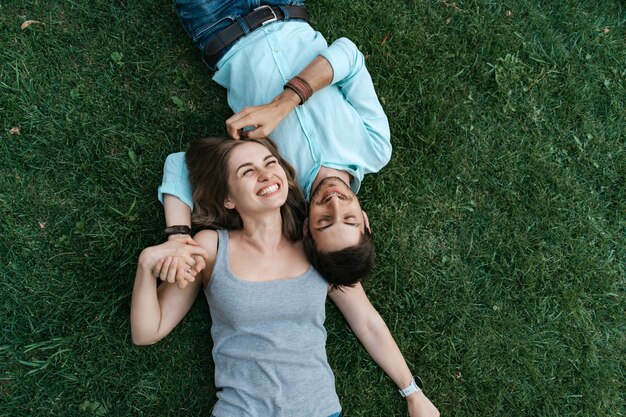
301,88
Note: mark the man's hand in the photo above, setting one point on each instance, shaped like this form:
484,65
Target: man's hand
177,260
196,268
263,118
420,406
184,271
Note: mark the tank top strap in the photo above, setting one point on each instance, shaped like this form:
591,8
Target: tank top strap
221,259
222,248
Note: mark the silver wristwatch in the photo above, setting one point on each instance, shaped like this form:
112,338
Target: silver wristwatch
415,386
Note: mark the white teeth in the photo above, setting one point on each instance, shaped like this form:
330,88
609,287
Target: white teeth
268,190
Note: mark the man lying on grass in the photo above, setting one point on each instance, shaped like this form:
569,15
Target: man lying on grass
317,102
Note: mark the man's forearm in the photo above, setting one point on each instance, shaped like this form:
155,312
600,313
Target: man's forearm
319,73
177,213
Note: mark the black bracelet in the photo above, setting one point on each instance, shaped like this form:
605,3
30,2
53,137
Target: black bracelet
177,230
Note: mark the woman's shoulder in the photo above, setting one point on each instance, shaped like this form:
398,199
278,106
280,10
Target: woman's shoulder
208,239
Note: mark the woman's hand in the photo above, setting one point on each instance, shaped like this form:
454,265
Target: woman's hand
420,406
177,260
180,269
155,311
263,118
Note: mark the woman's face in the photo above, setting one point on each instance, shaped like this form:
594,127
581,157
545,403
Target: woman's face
256,180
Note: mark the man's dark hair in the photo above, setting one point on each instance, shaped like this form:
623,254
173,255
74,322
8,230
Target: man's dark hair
344,267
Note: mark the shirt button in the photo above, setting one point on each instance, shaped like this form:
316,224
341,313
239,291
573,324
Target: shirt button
275,49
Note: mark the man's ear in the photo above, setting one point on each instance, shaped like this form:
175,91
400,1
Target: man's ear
366,221
305,226
229,204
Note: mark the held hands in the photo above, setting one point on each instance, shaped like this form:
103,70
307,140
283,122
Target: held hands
420,406
177,260
263,118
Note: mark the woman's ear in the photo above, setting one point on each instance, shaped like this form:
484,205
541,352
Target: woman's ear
228,203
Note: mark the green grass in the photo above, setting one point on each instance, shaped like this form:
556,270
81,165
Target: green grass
500,222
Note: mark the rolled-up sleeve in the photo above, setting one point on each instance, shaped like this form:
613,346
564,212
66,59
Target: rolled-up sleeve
355,83
176,179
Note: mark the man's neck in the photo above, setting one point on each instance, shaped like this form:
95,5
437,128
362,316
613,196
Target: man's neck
325,172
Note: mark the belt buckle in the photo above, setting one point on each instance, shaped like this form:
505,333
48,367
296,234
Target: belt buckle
268,7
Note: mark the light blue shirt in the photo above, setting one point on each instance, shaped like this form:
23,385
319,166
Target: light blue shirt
342,126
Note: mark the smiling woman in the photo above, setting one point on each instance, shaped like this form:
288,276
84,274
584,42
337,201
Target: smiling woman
257,178
209,167
267,303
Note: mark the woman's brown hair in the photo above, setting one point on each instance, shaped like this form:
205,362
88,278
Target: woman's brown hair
207,161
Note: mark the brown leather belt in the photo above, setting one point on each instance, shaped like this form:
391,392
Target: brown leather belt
260,16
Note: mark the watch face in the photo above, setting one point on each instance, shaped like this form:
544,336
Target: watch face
418,381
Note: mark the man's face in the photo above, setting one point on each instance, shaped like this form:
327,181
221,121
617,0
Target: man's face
336,220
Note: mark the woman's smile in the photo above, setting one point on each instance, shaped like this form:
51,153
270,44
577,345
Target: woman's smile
269,191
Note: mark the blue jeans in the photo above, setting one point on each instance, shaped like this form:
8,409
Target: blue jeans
203,19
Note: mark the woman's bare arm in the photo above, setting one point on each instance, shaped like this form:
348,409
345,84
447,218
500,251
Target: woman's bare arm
374,334
156,310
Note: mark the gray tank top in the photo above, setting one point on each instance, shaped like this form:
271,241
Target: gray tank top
269,344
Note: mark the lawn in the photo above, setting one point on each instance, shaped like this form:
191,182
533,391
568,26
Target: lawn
500,222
